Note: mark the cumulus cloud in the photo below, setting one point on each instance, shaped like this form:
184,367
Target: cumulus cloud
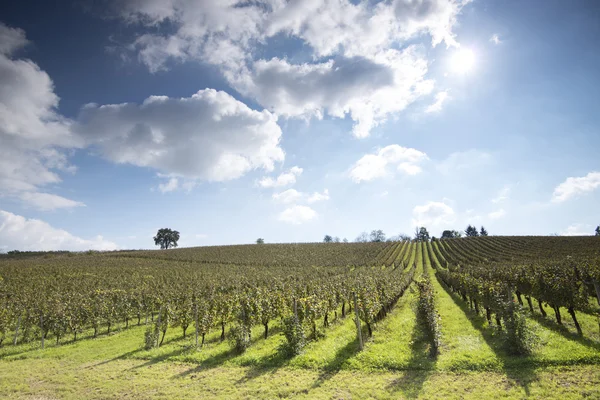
497,214
374,166
20,233
316,196
576,186
365,76
288,196
433,215
33,135
285,179
436,106
293,196
368,90
578,230
297,214
495,39
209,136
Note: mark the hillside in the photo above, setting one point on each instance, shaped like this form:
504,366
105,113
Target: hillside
484,317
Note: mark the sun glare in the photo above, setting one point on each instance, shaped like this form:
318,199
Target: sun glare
462,61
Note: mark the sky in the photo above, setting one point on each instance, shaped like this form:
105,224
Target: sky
288,120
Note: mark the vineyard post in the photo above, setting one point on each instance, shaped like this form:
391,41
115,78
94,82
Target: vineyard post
196,319
357,320
42,326
158,327
295,309
17,331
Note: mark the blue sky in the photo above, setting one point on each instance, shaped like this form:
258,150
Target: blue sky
288,121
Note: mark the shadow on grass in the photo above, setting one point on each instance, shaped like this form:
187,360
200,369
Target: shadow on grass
520,370
334,366
564,331
420,365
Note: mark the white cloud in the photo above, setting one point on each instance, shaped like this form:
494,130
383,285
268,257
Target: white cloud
285,179
578,230
316,196
208,136
297,214
365,76
288,196
440,99
47,201
575,186
373,166
171,185
433,215
20,233
293,196
497,214
32,133
464,160
495,39
503,195
368,90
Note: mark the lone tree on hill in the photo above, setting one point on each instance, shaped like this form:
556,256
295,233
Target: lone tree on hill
471,231
377,236
598,230
483,232
166,238
260,241
327,239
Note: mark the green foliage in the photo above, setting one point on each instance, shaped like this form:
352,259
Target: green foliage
471,231
239,336
151,335
427,314
260,241
327,239
295,339
166,238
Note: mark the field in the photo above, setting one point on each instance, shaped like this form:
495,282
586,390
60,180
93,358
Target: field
486,317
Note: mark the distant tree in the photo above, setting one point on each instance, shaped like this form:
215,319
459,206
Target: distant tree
336,239
450,234
598,230
483,232
362,238
421,234
260,241
166,238
327,239
471,231
433,239
377,236
403,237
345,240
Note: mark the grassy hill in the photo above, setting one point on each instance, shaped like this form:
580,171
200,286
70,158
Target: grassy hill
474,360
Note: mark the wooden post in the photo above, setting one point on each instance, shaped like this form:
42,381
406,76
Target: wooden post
158,327
42,328
357,320
17,331
295,309
196,318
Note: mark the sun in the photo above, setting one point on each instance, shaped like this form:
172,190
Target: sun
462,61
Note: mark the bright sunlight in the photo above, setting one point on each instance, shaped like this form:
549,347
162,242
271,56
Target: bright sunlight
462,61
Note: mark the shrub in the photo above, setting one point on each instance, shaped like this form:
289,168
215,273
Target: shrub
428,316
239,336
294,335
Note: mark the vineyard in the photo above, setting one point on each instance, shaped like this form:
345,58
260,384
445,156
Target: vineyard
493,304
